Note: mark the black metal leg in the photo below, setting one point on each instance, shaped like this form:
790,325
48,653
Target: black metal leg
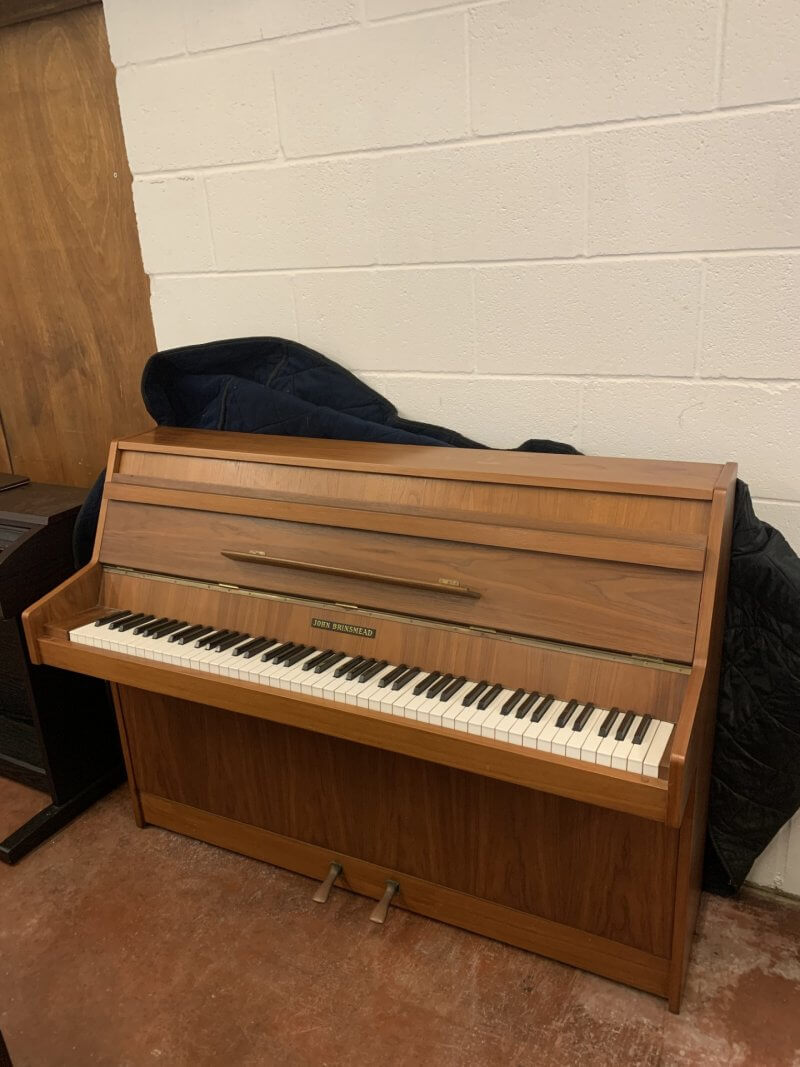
45,823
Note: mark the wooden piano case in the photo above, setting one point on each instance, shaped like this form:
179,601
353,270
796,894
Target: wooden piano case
598,579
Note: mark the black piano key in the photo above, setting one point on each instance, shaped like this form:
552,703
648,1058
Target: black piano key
404,679
216,645
583,717
345,667
539,711
512,701
608,722
229,642
354,672
274,654
114,616
641,729
190,635
393,675
146,627
450,691
426,682
282,658
566,714
156,629
260,645
487,698
130,617
215,635
241,649
530,700
130,623
298,654
624,726
473,694
319,658
169,628
329,662
187,626
376,668
439,685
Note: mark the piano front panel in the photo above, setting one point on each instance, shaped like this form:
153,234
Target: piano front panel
605,681
594,602
589,868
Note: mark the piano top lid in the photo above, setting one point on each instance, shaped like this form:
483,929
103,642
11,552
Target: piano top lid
645,477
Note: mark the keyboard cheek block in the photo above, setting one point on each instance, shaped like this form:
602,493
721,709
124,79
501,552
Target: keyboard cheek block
476,685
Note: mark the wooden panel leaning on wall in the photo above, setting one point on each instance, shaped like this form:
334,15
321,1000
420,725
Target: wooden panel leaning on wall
306,671
76,325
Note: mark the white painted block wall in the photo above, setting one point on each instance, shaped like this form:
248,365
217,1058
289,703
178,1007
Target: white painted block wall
577,220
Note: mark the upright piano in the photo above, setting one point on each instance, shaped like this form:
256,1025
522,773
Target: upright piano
478,685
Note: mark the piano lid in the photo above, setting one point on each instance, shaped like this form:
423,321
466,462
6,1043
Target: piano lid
640,476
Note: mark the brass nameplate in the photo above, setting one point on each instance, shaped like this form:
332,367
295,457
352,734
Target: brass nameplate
343,627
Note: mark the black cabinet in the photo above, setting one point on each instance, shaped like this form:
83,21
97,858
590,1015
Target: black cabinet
57,729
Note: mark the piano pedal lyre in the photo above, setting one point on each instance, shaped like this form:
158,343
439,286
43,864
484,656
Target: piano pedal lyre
324,888
382,907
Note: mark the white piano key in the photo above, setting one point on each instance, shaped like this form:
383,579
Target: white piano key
433,707
542,738
559,743
439,712
619,757
605,750
292,674
348,693
387,702
174,652
412,706
85,635
512,731
322,684
495,717
532,737
363,698
405,698
449,711
583,745
657,749
475,724
227,661
638,752
373,686
379,693
305,675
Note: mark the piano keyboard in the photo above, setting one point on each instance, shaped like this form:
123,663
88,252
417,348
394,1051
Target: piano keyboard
607,736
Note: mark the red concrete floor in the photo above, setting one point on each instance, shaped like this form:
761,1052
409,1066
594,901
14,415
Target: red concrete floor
128,947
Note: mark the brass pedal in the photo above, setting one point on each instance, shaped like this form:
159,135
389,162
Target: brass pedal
382,907
324,888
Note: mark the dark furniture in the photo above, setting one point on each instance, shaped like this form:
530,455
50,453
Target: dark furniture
57,730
